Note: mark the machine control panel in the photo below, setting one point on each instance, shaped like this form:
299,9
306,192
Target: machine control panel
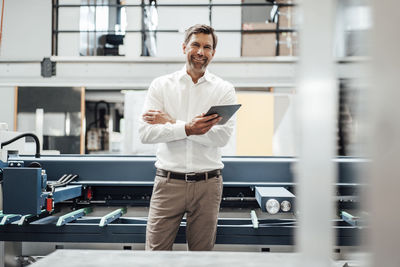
275,199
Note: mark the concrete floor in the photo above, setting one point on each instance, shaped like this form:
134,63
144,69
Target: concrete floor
99,258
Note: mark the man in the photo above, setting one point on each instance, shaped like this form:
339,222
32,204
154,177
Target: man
188,178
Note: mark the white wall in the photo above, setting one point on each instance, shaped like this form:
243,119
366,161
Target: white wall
227,18
26,29
133,109
177,18
132,46
181,18
68,19
284,133
7,106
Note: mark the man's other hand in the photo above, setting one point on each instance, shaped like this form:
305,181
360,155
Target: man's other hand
157,117
201,124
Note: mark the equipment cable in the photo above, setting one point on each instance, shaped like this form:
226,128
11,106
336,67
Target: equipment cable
37,155
64,180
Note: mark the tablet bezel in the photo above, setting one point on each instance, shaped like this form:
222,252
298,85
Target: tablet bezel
224,111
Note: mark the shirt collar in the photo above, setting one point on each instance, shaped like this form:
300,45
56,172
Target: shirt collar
207,76
183,73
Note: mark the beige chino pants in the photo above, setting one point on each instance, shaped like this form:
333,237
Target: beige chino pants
171,199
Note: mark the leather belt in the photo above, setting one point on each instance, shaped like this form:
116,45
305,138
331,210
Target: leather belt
189,177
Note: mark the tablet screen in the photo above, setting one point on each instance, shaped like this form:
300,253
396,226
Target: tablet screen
224,111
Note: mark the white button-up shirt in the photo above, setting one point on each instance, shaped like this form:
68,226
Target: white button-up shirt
177,95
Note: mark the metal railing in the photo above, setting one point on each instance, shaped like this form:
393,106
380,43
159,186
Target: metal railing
278,30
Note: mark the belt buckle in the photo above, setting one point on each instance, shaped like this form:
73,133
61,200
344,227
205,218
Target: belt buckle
188,175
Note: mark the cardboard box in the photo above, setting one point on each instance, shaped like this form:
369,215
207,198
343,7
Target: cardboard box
287,14
259,44
288,44
286,17
264,44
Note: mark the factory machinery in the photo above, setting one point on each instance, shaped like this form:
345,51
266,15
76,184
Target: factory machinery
72,198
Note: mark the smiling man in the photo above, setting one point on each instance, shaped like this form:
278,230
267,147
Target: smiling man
188,177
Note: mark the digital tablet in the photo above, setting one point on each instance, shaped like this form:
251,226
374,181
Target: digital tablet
224,111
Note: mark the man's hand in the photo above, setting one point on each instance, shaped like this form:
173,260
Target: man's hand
201,124
157,117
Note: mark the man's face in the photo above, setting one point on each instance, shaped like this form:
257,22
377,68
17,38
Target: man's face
199,52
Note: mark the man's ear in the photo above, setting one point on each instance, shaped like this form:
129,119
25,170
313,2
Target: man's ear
184,48
213,53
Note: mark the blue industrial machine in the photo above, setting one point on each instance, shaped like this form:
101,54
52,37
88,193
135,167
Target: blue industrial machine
43,203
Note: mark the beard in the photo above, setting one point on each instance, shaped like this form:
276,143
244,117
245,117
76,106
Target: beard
199,65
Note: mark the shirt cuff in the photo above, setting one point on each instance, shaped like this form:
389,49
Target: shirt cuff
179,130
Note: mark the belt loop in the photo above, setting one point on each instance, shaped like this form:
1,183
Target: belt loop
168,175
206,174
